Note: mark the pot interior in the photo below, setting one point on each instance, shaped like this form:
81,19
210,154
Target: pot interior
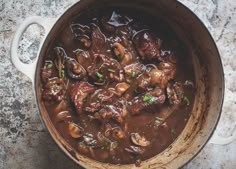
208,77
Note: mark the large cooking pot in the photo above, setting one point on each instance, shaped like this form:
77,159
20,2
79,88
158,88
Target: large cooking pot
207,66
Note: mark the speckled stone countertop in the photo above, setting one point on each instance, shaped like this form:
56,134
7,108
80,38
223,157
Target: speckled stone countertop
25,143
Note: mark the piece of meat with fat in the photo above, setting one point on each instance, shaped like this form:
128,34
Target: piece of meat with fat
147,100
96,100
54,90
146,46
79,92
98,39
105,68
116,111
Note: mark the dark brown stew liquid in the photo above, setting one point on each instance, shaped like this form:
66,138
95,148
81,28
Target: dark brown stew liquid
118,87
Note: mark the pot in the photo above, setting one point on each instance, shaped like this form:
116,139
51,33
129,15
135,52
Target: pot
207,67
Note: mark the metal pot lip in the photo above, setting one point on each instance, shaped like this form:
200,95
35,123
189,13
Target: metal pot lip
223,81
64,150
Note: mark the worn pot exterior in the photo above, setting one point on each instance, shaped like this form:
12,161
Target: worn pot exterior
208,74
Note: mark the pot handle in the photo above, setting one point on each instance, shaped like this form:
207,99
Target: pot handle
29,69
216,139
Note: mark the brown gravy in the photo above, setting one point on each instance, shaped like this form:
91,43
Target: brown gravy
118,88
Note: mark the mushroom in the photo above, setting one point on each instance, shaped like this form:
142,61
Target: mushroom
61,116
75,131
117,133
139,140
75,70
119,50
135,150
156,76
121,88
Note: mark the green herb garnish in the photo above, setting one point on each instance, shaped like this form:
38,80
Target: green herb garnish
149,99
55,86
111,70
186,100
100,67
99,75
132,74
158,119
172,131
62,73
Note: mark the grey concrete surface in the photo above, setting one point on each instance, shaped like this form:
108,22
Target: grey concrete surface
25,143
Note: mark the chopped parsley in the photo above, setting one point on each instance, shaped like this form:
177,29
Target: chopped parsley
55,87
99,75
132,74
158,119
186,100
172,131
149,99
62,73
111,70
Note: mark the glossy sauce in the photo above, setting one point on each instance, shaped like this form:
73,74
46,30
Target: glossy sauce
159,122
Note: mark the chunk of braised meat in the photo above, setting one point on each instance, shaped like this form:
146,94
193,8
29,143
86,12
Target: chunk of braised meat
175,92
84,59
104,68
74,69
134,69
98,39
116,111
107,27
97,99
47,71
147,100
144,82
79,92
54,90
146,46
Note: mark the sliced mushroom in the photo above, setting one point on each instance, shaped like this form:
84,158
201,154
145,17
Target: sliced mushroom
61,116
90,140
119,50
121,88
106,142
135,150
117,133
189,83
139,140
75,70
75,131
